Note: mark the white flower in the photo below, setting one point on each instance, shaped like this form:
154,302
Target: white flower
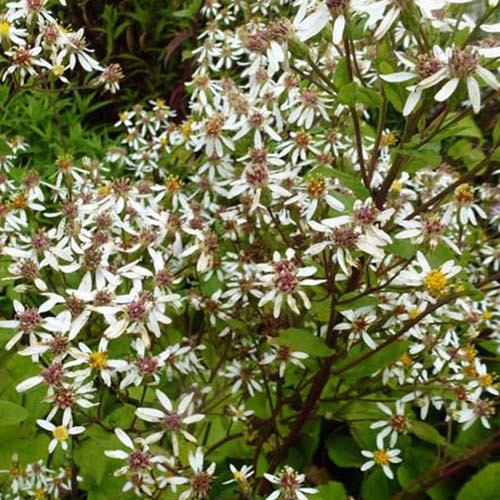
435,281
61,432
172,420
285,280
396,424
201,480
139,462
381,457
284,355
463,65
289,485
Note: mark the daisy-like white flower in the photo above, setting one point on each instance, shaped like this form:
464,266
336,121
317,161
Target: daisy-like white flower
285,280
396,424
426,230
484,381
434,281
284,355
201,481
306,26
75,47
97,360
316,191
381,457
9,31
463,65
172,420
358,323
464,203
139,464
478,409
23,60
240,477
243,375
289,485
61,433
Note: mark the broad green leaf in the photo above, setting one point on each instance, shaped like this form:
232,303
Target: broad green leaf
11,413
303,341
485,485
334,490
375,362
344,451
427,433
377,486
417,461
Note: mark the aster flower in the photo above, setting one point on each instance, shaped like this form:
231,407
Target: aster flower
201,480
289,485
61,433
139,462
285,280
434,281
396,424
462,65
173,421
381,457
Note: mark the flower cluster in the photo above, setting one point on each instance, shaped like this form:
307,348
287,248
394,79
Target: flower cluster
38,49
279,257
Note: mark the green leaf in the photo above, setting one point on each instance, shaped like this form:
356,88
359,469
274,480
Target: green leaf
403,248
377,361
303,340
11,413
348,94
344,452
5,148
334,490
485,485
418,460
353,184
427,433
464,128
377,486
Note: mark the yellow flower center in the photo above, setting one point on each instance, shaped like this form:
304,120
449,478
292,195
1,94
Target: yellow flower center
316,187
436,282
406,360
239,477
97,360
464,194
486,380
58,69
40,494
20,201
470,353
61,433
173,184
381,457
487,315
4,28
123,116
388,139
105,190
414,313
164,141
186,129
396,186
